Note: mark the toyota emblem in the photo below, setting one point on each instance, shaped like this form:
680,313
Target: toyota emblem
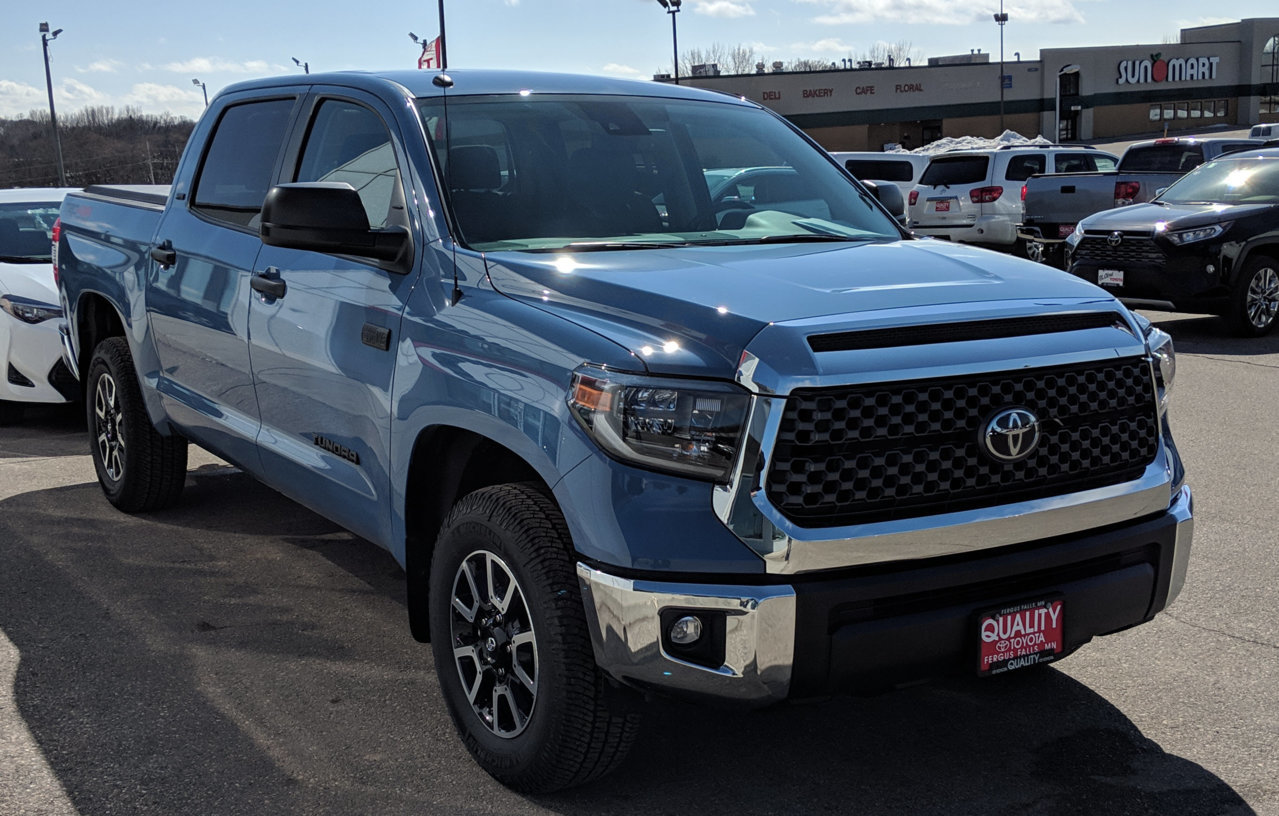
1115,238
1011,435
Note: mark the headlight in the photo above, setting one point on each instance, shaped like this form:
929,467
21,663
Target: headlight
1198,234
1160,343
687,427
1075,237
29,311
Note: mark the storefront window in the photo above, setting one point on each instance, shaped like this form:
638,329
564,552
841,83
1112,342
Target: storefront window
1168,110
1196,110
1154,113
1223,107
1183,111
1270,75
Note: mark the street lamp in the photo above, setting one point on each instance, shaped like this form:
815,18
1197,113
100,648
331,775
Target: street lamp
305,66
672,8
45,37
1065,69
1002,19
204,88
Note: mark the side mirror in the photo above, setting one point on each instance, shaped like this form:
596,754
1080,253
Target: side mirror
324,216
889,195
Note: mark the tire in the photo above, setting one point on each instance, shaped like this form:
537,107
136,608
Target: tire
139,469
512,650
1254,303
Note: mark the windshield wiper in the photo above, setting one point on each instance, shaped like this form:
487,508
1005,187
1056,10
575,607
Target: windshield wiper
605,246
801,238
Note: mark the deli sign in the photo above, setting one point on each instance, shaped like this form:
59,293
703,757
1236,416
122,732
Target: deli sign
1158,69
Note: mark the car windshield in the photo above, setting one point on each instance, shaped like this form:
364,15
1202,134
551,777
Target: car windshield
1234,180
26,232
618,172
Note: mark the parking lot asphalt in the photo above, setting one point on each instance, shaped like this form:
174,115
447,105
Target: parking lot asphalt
239,654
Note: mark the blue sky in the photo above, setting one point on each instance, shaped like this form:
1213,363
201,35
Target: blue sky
144,54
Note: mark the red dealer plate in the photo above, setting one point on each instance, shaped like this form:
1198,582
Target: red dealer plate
1018,636
942,206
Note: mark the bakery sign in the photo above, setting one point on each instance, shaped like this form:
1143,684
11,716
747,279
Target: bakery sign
1158,69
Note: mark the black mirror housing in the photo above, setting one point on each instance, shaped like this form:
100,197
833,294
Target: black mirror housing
889,195
324,216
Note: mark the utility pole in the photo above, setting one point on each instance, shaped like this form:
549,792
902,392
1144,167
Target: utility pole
45,37
1001,18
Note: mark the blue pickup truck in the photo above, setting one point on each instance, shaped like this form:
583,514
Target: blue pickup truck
647,395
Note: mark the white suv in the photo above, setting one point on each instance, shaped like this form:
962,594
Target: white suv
975,196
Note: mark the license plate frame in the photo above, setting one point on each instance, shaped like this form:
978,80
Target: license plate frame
1020,635
1110,277
941,206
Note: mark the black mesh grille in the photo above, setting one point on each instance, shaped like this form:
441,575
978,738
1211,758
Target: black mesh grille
871,453
1133,249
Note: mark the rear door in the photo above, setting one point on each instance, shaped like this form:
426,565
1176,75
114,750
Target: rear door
323,351
944,191
198,295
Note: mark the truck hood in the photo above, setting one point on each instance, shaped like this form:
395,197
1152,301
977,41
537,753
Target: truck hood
1143,217
692,310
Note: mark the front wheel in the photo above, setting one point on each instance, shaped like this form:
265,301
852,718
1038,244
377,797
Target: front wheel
1254,303
138,469
512,649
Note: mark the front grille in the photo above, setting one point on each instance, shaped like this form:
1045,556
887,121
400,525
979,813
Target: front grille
870,453
1133,249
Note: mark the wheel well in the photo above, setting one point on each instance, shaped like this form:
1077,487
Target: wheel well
98,320
447,464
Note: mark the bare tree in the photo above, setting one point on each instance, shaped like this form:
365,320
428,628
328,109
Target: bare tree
737,59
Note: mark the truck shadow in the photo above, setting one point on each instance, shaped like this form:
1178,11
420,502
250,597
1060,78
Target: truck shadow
240,654
46,430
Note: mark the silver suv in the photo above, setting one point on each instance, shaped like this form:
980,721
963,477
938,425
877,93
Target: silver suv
975,196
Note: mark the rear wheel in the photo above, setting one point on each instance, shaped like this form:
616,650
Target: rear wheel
512,649
138,468
1254,302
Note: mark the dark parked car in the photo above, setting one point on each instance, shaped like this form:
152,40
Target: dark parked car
1209,243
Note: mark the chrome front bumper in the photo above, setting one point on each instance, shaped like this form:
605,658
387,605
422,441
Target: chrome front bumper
760,650
623,616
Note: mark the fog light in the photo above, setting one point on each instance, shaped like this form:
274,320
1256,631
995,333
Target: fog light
686,630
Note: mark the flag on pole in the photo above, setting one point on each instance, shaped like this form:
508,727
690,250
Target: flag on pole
430,55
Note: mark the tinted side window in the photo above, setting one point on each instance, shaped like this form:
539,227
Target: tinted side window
1021,168
956,170
349,143
1167,158
1074,163
880,169
236,174
1104,163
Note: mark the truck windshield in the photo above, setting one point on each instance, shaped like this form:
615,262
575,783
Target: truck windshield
1241,180
25,231
617,172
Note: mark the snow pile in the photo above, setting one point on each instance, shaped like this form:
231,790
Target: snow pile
1008,137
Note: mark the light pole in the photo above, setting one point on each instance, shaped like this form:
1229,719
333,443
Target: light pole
204,88
672,8
45,37
305,66
1001,18
1065,69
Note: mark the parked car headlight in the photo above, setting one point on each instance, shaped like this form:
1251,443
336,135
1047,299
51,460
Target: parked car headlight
1161,349
1190,236
29,311
687,427
1073,239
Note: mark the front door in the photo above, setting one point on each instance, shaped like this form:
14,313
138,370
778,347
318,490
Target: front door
323,350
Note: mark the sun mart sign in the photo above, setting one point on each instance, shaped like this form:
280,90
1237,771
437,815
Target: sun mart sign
1157,69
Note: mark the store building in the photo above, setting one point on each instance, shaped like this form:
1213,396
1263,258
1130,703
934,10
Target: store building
1220,74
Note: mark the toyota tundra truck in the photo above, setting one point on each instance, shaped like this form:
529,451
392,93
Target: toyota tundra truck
627,439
